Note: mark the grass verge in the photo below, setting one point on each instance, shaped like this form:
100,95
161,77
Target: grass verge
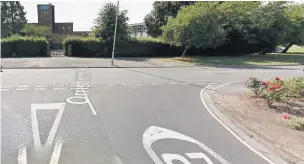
295,56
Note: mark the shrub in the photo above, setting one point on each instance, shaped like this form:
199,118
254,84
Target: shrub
254,85
294,87
83,46
296,123
23,46
135,47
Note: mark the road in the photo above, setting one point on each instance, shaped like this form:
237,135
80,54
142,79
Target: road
118,116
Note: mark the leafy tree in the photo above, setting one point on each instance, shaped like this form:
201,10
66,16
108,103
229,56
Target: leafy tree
295,29
158,17
269,22
197,25
12,17
105,25
37,30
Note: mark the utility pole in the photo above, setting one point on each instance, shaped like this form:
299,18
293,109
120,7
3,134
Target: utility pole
112,62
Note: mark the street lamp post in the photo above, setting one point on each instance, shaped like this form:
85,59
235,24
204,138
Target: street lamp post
112,62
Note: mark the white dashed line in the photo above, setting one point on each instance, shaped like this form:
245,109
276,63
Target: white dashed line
125,84
23,86
156,83
21,89
4,89
58,88
200,83
140,84
172,83
39,88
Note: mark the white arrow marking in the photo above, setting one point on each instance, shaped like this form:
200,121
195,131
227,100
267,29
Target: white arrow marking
56,152
22,158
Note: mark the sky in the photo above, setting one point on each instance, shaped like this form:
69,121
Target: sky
82,13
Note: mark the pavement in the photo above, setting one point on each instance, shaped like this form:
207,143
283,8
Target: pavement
119,116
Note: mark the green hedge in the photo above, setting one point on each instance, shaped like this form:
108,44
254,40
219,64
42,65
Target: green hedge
83,46
23,46
140,47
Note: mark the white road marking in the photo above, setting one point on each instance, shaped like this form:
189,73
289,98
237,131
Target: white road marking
125,84
140,84
22,155
56,152
154,133
4,89
21,89
201,83
199,156
116,160
23,86
58,88
227,128
156,83
172,83
35,128
39,88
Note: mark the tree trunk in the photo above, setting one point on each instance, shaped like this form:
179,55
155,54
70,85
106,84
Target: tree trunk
185,50
12,16
287,48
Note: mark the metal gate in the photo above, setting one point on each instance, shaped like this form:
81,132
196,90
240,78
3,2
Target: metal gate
56,50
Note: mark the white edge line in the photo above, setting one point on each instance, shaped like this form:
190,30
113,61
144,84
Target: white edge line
4,89
227,128
22,155
56,152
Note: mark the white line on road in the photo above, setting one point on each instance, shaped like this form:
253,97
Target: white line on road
22,156
4,89
39,88
140,84
156,83
56,152
21,89
125,84
227,128
172,83
116,160
200,83
23,86
35,127
58,88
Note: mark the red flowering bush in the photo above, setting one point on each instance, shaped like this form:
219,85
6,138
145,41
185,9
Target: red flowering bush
271,90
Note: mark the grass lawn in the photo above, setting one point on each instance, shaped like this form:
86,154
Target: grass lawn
294,56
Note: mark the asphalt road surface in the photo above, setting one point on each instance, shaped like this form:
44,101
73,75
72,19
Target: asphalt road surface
118,116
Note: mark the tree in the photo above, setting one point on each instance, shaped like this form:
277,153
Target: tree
37,30
12,17
162,10
105,25
197,26
295,32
